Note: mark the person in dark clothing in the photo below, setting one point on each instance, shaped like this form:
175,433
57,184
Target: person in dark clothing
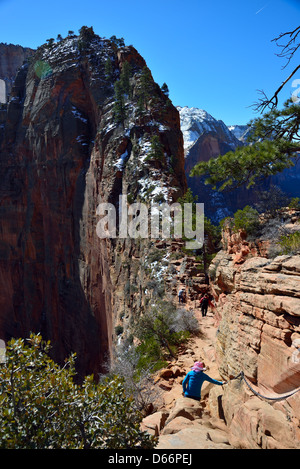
204,303
193,381
181,295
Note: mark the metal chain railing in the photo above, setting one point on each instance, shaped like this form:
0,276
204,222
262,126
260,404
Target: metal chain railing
241,374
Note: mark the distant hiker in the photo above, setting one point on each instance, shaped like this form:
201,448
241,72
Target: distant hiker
181,295
193,381
204,303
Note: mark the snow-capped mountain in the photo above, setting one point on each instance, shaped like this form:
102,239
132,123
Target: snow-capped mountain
206,137
196,122
241,132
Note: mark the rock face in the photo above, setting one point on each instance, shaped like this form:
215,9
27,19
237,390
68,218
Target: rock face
258,317
241,132
62,154
11,59
255,329
196,122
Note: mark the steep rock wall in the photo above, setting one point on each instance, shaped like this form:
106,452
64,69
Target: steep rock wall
58,161
258,317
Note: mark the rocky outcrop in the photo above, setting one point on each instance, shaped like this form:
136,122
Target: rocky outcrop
62,154
258,318
197,122
251,340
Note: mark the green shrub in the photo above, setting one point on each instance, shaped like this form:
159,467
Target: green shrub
150,354
290,243
295,203
271,202
119,330
156,150
163,327
130,198
155,255
180,337
41,407
246,219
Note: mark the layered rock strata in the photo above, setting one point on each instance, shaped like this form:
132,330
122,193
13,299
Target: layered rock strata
258,317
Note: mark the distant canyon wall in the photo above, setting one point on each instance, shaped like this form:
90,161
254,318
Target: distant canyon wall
206,138
11,59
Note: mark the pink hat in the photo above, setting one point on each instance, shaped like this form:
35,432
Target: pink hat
198,366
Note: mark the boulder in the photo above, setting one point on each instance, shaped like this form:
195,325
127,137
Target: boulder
190,438
176,425
154,423
185,407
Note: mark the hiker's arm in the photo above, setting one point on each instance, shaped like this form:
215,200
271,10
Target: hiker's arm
214,381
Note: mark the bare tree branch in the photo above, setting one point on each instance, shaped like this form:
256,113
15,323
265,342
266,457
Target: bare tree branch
265,102
289,49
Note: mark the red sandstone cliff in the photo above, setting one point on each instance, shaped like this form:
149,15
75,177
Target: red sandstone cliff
57,163
258,316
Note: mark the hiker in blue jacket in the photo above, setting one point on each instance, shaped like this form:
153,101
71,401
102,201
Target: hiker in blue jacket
193,381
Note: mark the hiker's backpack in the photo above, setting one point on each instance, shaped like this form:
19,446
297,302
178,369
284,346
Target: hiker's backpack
204,302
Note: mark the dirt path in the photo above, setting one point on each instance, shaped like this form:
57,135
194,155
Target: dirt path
183,423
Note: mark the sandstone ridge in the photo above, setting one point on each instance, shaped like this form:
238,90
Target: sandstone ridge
254,329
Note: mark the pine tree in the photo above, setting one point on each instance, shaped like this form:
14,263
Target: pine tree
87,33
165,89
119,106
273,146
50,42
125,79
156,150
145,89
118,42
274,143
108,69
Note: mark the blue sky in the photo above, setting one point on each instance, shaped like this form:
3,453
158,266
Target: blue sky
214,55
